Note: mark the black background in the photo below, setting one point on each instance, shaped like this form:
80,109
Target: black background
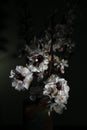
11,101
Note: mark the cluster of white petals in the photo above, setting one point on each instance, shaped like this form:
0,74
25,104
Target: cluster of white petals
46,61
22,78
41,65
61,64
46,58
57,89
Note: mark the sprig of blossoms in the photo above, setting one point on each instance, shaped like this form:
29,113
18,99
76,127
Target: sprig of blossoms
46,63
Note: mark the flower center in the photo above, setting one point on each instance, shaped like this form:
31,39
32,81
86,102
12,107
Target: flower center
38,59
59,86
19,76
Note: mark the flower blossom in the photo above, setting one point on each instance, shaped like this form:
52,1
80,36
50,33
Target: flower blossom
39,63
22,78
57,89
63,63
60,64
58,108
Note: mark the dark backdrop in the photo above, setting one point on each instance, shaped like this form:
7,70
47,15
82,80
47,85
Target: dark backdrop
11,101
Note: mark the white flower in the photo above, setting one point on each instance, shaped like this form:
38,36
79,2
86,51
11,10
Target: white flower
21,78
17,84
60,64
41,67
44,65
22,70
63,63
50,90
57,89
58,108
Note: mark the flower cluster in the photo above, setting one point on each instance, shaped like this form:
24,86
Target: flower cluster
57,89
42,74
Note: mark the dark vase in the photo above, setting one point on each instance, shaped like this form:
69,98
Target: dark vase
35,115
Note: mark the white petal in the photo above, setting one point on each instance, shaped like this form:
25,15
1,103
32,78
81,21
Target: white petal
46,61
14,83
19,86
19,68
47,86
46,93
43,67
12,74
58,108
25,71
33,68
26,85
27,81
